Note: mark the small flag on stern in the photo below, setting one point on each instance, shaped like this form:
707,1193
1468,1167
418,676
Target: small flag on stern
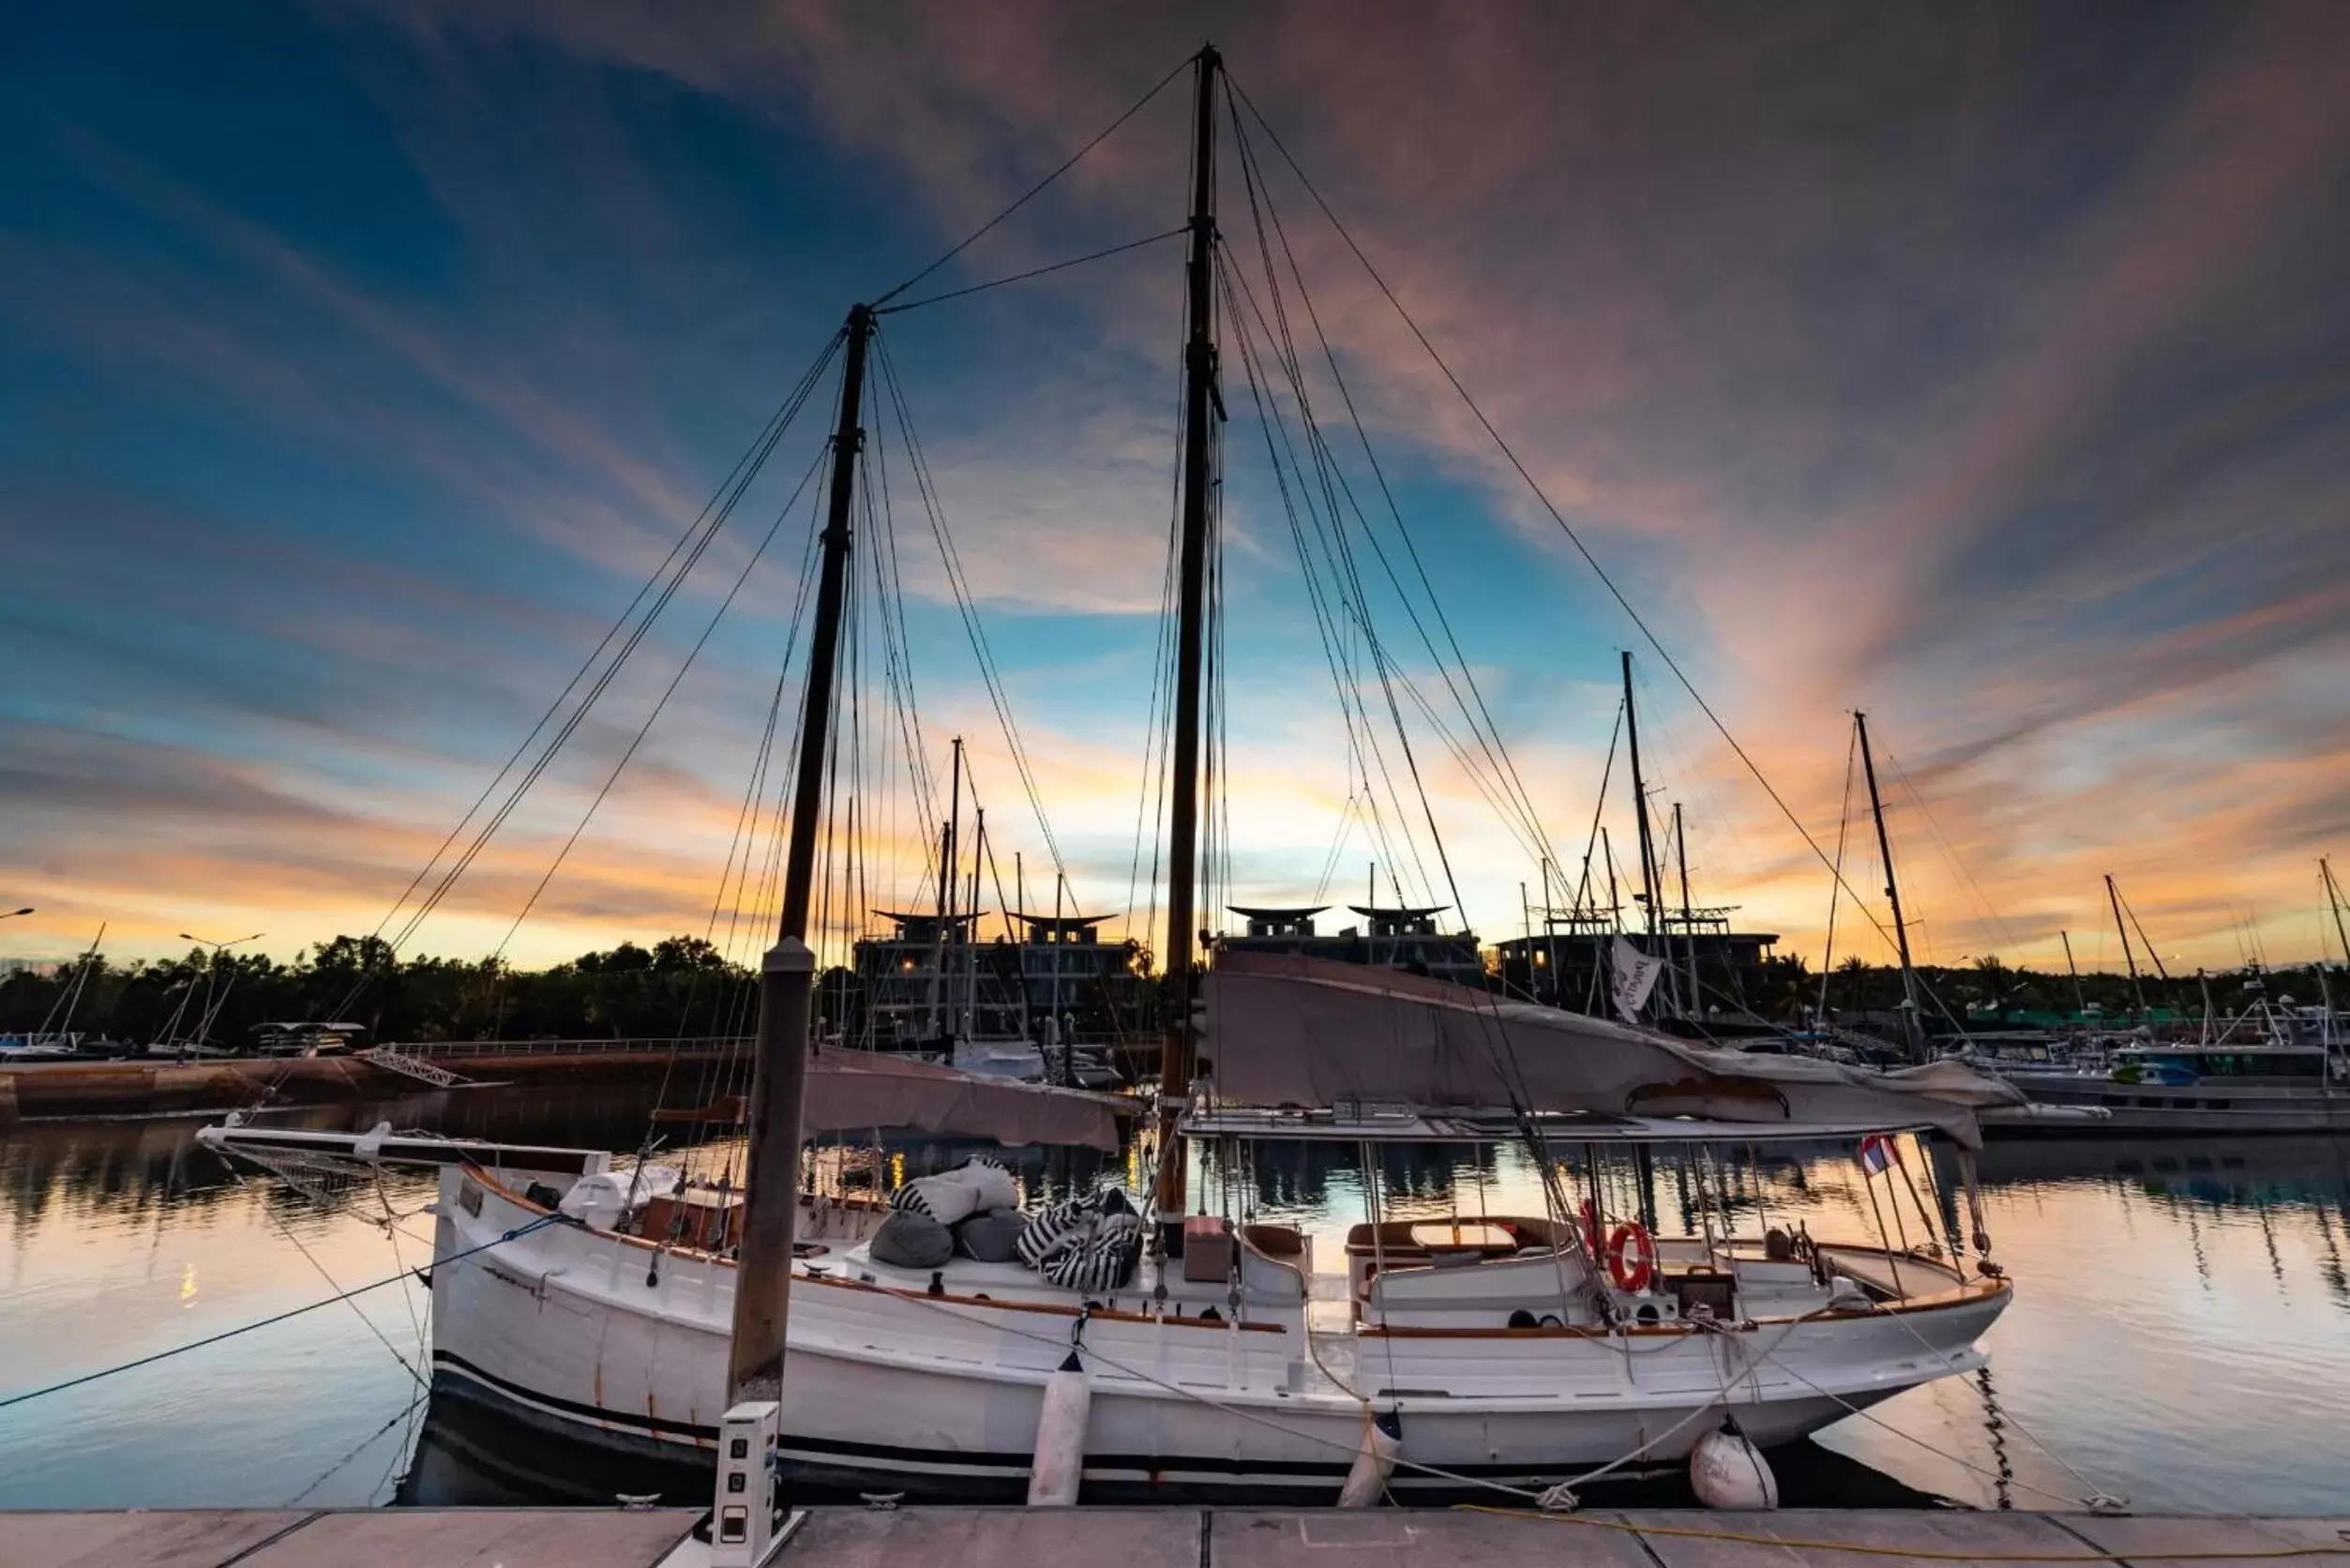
1877,1152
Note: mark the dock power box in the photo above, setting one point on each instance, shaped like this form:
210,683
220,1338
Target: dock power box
743,1523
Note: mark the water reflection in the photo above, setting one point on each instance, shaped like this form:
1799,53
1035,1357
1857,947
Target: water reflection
2178,1334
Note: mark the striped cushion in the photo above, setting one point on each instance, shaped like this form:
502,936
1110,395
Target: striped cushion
1103,1261
1050,1230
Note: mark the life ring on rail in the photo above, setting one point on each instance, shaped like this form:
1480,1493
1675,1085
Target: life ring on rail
1631,1274
1589,1215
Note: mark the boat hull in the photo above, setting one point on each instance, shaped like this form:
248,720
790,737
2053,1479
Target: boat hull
607,1340
2207,1109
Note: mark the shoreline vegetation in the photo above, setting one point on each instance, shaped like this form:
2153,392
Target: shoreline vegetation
683,985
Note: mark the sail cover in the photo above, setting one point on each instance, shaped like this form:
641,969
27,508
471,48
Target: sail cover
849,1090
1283,1029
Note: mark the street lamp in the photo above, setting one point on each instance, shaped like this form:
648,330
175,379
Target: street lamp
212,975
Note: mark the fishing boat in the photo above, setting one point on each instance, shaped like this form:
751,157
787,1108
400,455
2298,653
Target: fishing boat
1164,1345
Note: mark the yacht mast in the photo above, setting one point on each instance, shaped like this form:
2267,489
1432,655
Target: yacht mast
1912,1022
2128,956
1688,916
2080,1002
1199,400
1640,805
2333,901
771,1175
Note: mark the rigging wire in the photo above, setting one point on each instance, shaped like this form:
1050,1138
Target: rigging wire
1034,272
1479,720
666,692
400,1277
965,600
668,577
1510,454
1362,737
1038,188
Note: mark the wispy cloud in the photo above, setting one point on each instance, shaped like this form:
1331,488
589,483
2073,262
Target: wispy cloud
1982,370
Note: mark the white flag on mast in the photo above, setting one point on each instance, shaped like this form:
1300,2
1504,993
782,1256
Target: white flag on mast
1634,978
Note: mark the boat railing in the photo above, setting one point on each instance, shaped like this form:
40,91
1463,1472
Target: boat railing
593,1047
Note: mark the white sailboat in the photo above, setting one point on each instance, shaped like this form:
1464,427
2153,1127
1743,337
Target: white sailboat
1507,1348
1226,1363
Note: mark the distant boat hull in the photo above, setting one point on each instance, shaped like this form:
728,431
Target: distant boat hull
2205,1109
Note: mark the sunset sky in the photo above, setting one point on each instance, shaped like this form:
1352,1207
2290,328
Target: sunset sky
1985,368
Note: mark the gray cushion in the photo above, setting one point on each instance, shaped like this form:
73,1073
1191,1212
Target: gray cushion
909,1241
991,1235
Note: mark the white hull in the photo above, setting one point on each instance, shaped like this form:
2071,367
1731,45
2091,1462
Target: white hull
893,1390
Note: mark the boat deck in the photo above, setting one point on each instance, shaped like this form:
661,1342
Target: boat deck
1139,1538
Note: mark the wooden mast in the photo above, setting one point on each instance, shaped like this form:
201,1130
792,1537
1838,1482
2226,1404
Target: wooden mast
1199,398
771,1175
1912,1022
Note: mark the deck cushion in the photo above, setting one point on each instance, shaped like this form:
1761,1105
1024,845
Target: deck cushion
910,1241
991,1235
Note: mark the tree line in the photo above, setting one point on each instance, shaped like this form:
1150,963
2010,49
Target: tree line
680,985
683,985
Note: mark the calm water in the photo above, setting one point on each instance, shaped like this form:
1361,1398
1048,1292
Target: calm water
2181,1332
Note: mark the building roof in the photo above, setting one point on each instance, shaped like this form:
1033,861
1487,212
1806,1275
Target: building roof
1074,920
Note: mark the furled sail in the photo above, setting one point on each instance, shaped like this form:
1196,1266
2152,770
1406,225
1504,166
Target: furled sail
849,1090
1282,1028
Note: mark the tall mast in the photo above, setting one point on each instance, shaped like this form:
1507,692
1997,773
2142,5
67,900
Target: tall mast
1550,924
771,1175
1640,802
1615,895
2333,901
1199,400
1068,1047
950,867
970,943
2128,956
1688,916
2080,1002
1913,1024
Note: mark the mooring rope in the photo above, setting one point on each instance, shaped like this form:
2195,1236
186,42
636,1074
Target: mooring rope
515,1234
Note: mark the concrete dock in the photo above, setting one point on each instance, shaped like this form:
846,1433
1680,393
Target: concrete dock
1153,1538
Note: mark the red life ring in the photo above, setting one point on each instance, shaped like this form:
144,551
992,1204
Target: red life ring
1631,1274
1591,1227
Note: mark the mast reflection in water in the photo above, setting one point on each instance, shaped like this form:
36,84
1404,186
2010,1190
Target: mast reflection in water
2178,1334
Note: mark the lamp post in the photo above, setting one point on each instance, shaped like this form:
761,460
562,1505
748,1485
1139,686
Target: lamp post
212,975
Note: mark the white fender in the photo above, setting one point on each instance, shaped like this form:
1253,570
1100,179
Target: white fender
1060,1464
1727,1472
1374,1462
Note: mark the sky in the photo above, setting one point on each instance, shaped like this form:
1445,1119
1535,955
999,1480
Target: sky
1983,368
